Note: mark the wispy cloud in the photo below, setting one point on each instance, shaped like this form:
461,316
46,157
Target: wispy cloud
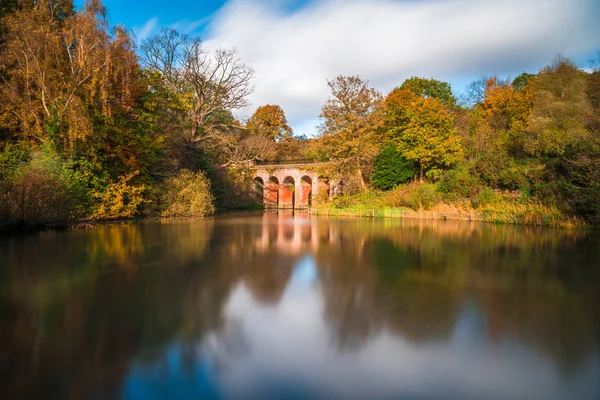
145,30
192,27
386,41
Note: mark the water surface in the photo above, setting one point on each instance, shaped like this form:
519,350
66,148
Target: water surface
293,307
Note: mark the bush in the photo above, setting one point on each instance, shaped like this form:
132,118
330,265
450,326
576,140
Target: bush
485,197
390,168
120,199
41,192
416,196
186,194
233,188
425,197
458,184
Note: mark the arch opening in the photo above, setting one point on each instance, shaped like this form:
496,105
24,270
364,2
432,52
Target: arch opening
286,193
271,193
305,192
259,190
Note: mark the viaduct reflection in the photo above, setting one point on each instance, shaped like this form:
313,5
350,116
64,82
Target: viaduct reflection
77,308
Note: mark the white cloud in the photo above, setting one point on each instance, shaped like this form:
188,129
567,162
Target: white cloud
145,30
386,41
190,27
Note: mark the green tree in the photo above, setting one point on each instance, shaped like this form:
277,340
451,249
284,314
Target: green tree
390,168
522,80
423,129
424,87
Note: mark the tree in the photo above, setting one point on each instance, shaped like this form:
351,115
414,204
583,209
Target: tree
505,107
390,168
521,81
431,88
349,119
423,130
269,121
561,109
474,92
243,145
210,82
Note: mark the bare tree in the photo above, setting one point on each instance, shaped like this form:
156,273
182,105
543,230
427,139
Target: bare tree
474,93
164,53
214,81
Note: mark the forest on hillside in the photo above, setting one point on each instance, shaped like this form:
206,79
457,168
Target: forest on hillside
93,127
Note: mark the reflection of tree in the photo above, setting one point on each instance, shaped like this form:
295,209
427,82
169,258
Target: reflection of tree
412,276
77,307
71,332
562,325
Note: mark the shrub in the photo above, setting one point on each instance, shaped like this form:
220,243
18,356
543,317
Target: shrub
233,188
43,191
390,168
186,194
119,200
425,197
416,196
458,184
485,197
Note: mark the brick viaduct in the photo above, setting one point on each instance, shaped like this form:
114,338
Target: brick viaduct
293,186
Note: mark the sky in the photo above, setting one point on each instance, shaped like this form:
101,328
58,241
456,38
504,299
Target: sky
295,46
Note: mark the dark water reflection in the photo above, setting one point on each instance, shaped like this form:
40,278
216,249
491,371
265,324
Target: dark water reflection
280,307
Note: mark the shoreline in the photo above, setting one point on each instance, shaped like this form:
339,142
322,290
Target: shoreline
455,214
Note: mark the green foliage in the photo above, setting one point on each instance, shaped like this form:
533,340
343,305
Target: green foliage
11,157
187,194
522,80
499,170
581,185
390,168
369,199
423,130
485,197
458,184
425,197
423,87
418,196
42,191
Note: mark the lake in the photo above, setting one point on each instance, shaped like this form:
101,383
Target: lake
282,306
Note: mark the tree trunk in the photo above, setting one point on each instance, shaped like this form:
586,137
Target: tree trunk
421,173
361,180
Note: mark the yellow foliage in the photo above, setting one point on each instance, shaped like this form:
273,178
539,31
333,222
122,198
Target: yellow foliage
187,194
120,199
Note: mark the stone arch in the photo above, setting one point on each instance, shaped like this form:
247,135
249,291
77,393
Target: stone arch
272,192
304,192
287,191
259,189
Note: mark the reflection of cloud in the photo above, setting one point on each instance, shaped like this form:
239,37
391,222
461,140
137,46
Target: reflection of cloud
305,272
291,343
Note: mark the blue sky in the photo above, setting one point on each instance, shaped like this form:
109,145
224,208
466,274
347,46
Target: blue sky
294,46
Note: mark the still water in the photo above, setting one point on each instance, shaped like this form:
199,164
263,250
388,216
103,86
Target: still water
293,307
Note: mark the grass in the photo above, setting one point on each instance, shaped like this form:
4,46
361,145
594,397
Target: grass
405,202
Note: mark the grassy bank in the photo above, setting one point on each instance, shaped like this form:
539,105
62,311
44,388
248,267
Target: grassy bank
424,202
